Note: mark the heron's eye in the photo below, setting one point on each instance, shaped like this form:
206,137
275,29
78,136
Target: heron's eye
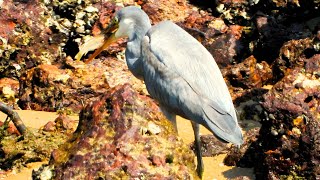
115,20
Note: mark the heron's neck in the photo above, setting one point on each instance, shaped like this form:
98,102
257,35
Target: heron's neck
133,51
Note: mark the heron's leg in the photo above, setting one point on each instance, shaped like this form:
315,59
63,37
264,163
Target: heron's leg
196,129
171,117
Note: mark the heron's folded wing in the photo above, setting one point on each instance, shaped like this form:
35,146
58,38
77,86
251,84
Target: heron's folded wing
182,75
184,55
177,94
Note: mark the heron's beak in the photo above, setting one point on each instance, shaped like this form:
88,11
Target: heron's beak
101,42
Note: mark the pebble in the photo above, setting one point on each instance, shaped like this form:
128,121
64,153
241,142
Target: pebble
78,22
274,132
80,29
66,23
80,15
91,9
153,128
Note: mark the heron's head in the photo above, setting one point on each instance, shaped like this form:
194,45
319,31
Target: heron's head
128,22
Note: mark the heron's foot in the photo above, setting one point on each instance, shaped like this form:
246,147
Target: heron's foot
200,168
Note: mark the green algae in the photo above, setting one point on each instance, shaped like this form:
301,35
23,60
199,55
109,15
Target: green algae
34,146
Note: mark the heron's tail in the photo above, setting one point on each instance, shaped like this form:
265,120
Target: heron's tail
222,124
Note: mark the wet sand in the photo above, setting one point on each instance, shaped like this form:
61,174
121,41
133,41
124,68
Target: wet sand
214,167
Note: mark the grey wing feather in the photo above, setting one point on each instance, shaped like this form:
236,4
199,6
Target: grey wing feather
175,67
181,52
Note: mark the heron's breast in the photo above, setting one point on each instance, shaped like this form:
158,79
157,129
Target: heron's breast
163,86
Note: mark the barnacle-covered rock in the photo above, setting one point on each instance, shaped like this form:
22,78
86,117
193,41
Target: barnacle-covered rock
247,154
210,146
274,31
221,41
235,10
242,11
246,82
174,10
9,89
248,74
52,88
290,129
288,143
122,136
293,54
267,24
41,32
294,4
46,87
24,37
73,20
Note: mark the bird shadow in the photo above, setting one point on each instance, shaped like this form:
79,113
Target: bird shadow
235,172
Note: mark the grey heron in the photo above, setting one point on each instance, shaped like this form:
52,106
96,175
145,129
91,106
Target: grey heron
178,72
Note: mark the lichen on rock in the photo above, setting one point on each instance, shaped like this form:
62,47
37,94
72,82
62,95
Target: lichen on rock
123,135
17,150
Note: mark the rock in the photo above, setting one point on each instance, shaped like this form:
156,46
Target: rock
248,74
46,87
17,151
246,81
211,146
234,11
41,32
114,139
49,88
61,124
247,154
26,39
224,48
64,123
287,145
289,136
50,126
219,39
293,54
10,83
285,24
9,90
175,10
266,24
91,9
10,129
